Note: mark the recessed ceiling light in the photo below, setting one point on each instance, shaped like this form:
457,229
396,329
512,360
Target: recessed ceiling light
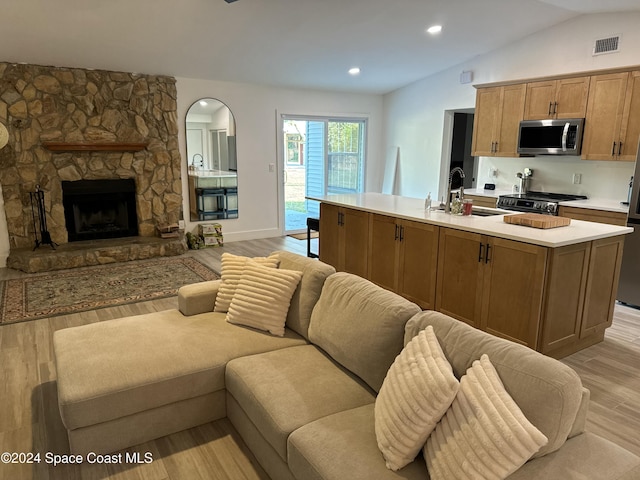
434,29
354,71
203,103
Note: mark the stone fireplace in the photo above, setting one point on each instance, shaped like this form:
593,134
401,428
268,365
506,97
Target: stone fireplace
69,125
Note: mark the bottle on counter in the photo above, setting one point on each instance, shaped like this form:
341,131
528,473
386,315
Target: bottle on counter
427,203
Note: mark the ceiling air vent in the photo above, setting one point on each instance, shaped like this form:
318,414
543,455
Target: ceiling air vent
607,45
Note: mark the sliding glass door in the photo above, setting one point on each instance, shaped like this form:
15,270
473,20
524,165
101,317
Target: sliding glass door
322,156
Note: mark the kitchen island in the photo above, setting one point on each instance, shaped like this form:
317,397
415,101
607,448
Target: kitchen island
552,290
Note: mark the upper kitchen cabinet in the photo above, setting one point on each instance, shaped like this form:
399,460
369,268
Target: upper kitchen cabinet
499,111
563,98
612,125
630,129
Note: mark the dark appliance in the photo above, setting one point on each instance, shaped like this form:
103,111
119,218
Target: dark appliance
551,137
536,202
629,284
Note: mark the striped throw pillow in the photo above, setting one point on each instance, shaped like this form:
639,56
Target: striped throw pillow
232,268
263,297
484,435
416,393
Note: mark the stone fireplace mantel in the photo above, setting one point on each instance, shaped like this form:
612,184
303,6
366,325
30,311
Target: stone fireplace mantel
93,147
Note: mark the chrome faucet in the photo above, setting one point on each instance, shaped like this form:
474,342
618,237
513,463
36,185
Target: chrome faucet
447,204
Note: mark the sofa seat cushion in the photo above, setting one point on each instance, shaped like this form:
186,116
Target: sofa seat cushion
107,370
282,390
342,446
585,456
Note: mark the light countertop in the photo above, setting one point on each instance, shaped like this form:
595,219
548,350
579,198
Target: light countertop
413,209
212,173
481,192
604,204
598,204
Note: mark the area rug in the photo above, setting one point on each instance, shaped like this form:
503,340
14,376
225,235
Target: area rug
81,289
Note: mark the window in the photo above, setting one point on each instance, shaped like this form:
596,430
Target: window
322,156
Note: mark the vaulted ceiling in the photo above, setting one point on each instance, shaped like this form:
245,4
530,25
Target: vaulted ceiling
293,43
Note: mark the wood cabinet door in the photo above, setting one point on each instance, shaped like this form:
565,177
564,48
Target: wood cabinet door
630,130
384,242
604,116
564,302
484,121
331,235
354,257
602,285
418,263
510,115
460,268
539,101
571,97
513,290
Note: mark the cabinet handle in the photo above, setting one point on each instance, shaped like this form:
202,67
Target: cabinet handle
340,218
396,237
550,105
496,149
480,253
613,150
620,148
486,257
555,108
401,233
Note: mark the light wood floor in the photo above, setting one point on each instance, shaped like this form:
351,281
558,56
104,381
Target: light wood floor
30,422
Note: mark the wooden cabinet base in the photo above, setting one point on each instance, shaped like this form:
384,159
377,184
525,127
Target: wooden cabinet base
576,346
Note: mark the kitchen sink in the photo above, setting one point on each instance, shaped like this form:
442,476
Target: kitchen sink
478,211
486,211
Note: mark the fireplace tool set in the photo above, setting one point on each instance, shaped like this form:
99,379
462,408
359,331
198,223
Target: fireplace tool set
40,219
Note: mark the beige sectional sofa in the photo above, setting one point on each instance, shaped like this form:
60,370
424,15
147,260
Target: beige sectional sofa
303,403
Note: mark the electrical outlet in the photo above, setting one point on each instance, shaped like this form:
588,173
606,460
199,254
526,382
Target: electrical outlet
272,167
577,178
181,224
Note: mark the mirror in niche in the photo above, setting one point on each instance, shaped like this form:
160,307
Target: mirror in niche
211,161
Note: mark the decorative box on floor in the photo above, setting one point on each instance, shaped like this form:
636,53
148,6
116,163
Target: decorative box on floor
212,234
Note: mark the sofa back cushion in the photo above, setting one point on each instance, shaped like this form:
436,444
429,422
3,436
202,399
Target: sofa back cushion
548,392
314,273
360,325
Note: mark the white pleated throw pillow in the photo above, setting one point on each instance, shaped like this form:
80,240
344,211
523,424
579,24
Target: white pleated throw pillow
231,271
484,435
417,391
262,298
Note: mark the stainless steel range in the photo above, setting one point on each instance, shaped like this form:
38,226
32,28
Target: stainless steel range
536,202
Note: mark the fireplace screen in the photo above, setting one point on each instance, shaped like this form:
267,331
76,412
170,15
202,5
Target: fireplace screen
97,209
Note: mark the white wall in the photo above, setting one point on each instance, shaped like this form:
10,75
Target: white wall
415,115
256,110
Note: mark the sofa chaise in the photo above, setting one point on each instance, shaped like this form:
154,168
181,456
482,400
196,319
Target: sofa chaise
304,402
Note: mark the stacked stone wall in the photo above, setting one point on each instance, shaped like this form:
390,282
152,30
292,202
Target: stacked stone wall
41,104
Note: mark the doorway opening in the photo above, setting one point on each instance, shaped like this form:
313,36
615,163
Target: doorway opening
456,151
322,156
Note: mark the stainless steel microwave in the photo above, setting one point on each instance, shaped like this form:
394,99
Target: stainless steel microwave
551,137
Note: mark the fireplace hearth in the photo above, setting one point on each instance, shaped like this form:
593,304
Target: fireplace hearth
100,209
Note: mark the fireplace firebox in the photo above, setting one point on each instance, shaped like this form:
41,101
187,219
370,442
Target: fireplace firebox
96,209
